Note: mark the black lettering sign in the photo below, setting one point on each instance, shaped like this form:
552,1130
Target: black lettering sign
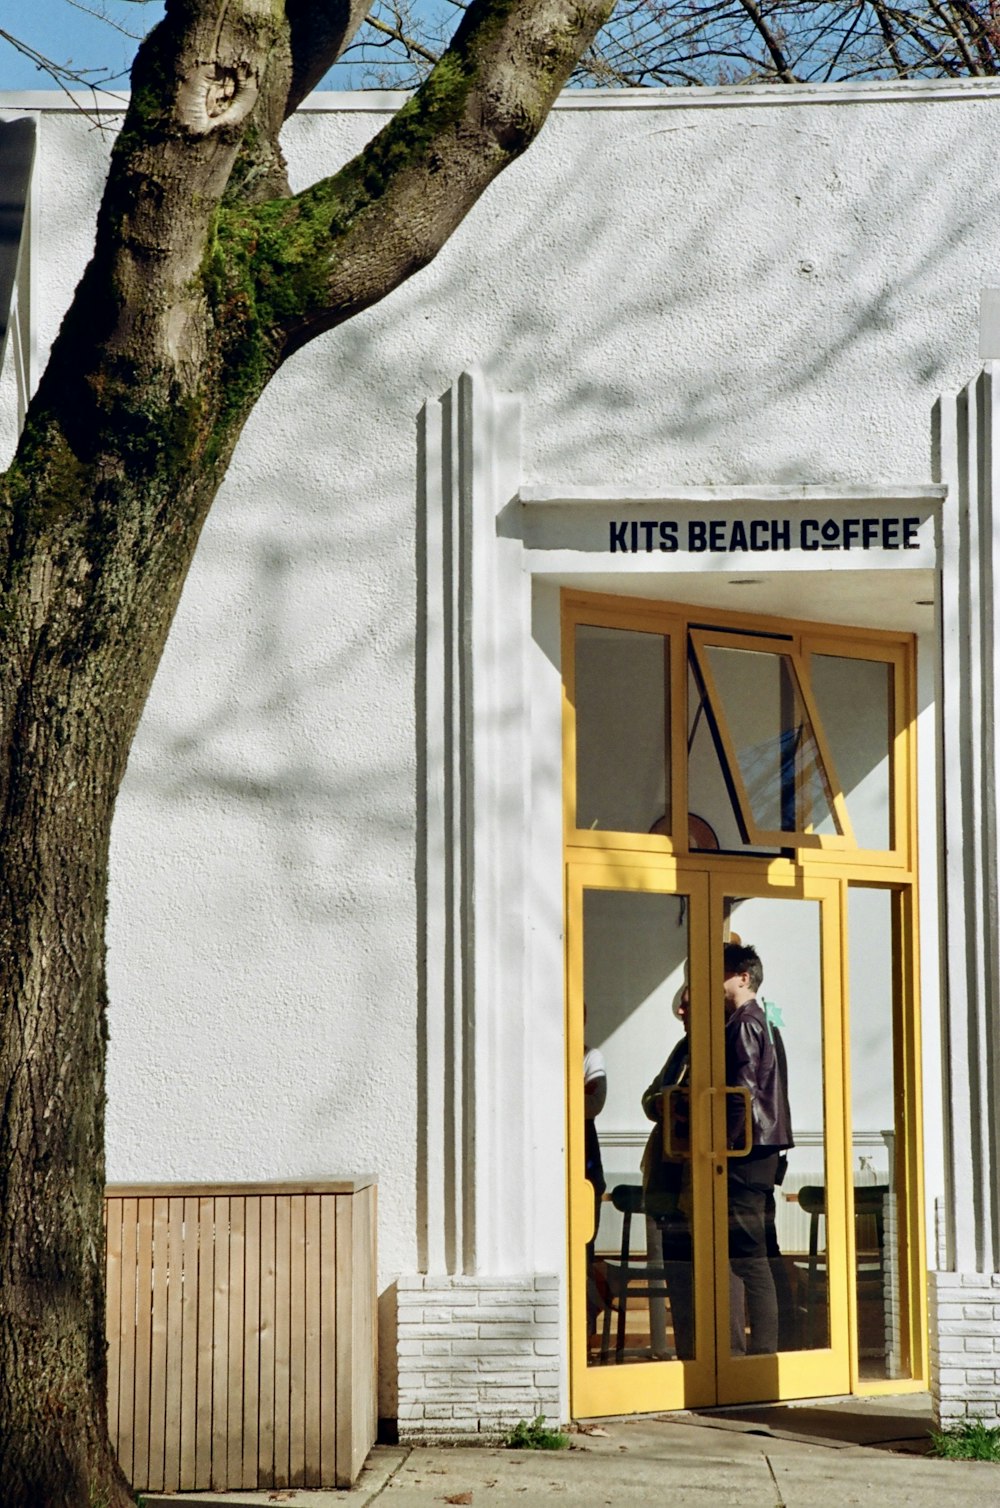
781,534
721,536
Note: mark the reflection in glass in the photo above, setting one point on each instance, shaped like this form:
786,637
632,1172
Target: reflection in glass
640,1276
622,691
774,742
779,1283
711,799
880,1273
854,702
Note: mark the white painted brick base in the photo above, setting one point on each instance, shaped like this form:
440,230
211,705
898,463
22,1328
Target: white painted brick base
965,1345
476,1355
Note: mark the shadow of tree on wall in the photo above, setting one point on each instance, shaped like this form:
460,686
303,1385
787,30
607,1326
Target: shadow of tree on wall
719,282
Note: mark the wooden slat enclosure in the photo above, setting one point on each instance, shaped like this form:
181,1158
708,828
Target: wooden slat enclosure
241,1333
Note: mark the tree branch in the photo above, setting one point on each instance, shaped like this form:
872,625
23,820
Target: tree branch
889,36
139,324
981,31
346,242
410,44
951,25
320,32
770,41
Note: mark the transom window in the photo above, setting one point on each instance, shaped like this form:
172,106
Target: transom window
694,736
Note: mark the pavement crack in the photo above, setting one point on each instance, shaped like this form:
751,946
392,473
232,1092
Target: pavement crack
779,1501
392,1475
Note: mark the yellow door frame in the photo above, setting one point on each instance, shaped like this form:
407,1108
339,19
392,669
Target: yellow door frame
808,1373
659,1385
660,862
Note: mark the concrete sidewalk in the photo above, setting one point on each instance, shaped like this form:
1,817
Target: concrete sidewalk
800,1456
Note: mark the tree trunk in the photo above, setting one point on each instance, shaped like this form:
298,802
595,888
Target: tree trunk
68,753
96,562
206,274
95,569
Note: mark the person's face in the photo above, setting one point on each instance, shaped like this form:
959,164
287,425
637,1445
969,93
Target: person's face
684,1009
736,988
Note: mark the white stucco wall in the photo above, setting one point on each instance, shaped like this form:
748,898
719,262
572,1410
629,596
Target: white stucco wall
749,287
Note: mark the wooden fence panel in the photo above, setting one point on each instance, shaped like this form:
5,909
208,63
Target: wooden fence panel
297,1342
231,1442
158,1362
126,1348
201,1382
328,1340
218,1471
187,1393
143,1337
265,1448
236,1319
173,1280
282,1335
313,1301
252,1346
113,1306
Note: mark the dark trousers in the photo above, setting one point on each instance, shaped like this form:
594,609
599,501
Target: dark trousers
787,1320
752,1293
594,1301
678,1269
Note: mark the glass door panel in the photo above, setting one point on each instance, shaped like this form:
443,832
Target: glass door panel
880,1268
780,1195
708,1255
642,1290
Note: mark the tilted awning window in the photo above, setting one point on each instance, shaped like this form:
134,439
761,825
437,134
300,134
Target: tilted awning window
756,700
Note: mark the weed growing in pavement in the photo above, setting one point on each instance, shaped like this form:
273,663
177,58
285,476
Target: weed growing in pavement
536,1436
972,1440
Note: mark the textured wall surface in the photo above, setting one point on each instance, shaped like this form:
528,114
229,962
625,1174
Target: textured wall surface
476,1355
696,288
965,1346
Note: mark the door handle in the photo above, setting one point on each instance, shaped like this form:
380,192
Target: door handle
748,1134
677,1122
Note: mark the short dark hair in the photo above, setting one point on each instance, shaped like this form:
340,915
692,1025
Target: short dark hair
742,958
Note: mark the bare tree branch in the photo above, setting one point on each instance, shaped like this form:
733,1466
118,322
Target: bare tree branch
678,42
395,33
892,45
947,18
981,30
770,41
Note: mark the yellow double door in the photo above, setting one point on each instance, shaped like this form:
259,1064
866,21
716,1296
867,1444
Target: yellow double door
702,1284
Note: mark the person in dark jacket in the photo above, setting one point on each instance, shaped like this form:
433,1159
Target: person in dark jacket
668,1228
752,1064
595,1093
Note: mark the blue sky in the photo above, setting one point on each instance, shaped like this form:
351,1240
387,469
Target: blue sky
86,35
71,33
74,34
